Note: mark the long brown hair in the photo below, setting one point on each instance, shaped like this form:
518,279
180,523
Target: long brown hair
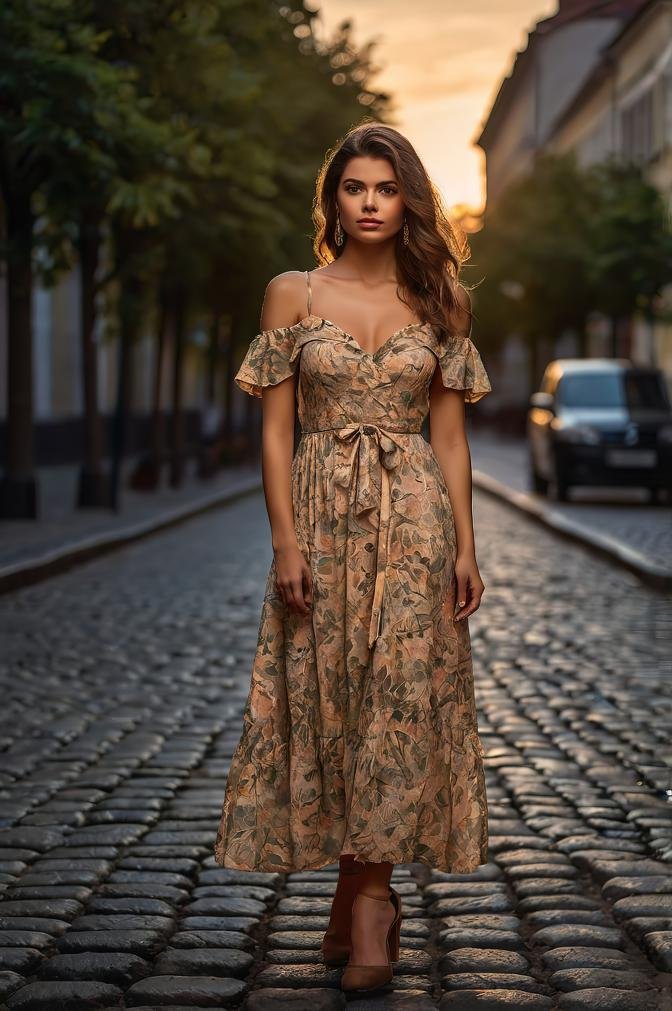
428,267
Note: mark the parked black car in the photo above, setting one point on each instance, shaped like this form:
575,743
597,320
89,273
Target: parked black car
600,421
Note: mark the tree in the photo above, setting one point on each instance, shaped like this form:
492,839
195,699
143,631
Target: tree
564,241
631,257
77,160
534,250
48,52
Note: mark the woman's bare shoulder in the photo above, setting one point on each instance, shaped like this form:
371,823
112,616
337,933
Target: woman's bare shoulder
285,300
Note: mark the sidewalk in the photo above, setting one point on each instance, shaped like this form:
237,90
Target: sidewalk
618,525
64,535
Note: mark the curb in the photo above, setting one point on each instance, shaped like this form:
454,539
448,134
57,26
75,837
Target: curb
34,570
19,574
657,576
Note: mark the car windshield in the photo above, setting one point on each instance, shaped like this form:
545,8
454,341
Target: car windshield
613,389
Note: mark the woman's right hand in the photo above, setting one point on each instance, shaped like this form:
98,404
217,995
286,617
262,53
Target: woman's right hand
294,579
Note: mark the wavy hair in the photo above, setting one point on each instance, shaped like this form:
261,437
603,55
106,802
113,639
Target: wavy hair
428,267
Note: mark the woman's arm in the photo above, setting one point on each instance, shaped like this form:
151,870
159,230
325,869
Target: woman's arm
283,306
448,439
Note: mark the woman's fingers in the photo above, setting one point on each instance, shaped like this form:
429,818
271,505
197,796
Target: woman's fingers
297,592
294,581
297,595
468,596
463,595
469,609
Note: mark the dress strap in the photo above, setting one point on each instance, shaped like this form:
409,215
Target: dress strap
310,292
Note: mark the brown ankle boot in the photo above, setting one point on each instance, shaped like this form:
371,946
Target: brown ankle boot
336,941
370,977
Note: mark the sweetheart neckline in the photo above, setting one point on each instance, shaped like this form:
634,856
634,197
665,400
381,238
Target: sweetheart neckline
366,354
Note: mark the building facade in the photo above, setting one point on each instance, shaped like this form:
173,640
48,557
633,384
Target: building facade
596,79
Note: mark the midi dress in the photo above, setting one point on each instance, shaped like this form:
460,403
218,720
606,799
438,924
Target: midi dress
360,731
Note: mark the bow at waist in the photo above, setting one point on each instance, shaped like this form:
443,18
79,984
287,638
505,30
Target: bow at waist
366,474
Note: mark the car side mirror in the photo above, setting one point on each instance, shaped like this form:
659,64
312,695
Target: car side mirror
544,401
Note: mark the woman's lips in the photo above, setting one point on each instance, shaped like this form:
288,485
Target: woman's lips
369,224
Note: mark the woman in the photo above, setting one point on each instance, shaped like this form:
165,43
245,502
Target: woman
360,737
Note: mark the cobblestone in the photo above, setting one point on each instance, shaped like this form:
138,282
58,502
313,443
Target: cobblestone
123,687
73,996
609,999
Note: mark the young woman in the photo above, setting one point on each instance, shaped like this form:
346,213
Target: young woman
360,739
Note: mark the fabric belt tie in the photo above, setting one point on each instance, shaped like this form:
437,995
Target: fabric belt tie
366,475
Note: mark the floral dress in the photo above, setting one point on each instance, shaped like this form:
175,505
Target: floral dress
360,731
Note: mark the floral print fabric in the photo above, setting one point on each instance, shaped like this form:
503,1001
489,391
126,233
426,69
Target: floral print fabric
360,731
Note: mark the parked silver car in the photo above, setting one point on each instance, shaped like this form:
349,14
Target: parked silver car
600,421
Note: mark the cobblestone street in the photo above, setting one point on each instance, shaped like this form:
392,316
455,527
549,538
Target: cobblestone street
123,684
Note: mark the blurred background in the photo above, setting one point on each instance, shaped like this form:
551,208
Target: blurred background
157,167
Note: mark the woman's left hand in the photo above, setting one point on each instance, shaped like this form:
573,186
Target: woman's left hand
470,586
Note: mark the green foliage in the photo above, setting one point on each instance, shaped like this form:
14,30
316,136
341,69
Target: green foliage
197,125
631,240
566,240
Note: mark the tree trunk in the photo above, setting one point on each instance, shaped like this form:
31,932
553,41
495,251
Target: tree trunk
146,475
229,372
213,356
210,435
130,303
18,489
177,427
94,488
157,434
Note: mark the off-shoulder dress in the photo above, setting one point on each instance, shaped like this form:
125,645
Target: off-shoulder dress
360,730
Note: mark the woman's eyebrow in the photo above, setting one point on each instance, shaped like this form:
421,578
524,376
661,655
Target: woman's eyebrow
385,182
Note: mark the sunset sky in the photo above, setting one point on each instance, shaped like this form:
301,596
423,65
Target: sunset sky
443,61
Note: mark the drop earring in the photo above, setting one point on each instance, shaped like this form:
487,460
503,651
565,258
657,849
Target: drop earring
338,233
405,232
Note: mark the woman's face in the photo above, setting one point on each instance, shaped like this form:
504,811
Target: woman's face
368,189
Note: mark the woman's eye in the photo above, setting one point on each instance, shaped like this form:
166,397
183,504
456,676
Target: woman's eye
353,188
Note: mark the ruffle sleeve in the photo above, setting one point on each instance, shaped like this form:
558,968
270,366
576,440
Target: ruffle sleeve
270,358
462,368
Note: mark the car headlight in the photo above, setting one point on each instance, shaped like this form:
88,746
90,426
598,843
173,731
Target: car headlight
584,435
665,435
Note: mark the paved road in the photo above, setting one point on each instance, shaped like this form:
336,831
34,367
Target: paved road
123,684
621,515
